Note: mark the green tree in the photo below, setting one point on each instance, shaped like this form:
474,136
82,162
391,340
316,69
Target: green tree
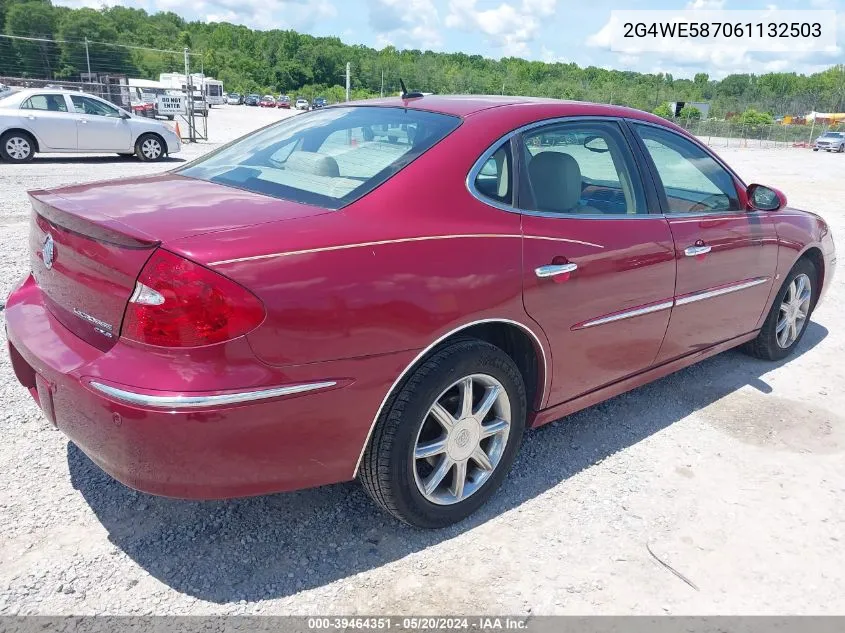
664,110
35,58
74,28
752,117
689,112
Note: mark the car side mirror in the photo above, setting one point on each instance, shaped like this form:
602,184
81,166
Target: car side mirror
125,115
762,198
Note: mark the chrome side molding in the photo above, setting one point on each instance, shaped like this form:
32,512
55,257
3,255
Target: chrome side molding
195,402
718,292
629,314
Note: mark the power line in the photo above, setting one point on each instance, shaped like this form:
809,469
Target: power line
83,43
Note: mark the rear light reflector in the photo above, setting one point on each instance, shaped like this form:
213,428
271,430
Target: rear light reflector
178,303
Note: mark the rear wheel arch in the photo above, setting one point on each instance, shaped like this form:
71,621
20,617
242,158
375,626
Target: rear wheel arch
25,132
511,336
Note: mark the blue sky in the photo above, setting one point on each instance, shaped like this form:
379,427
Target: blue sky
548,30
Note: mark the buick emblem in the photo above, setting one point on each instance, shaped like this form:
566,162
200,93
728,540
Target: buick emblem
48,251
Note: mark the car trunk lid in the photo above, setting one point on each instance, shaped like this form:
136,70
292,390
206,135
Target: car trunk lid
86,270
100,236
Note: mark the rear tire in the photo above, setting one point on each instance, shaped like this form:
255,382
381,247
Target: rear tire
423,463
17,147
150,148
789,315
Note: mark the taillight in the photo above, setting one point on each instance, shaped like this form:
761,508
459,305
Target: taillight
178,303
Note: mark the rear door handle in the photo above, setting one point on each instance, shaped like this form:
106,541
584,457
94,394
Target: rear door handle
693,251
554,269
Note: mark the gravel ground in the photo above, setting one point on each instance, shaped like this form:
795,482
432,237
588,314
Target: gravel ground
730,471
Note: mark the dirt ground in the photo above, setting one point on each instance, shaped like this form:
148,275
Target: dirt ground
731,471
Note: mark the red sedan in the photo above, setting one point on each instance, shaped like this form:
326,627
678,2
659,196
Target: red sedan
394,291
267,101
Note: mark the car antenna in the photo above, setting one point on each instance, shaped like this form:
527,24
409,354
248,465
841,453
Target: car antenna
406,94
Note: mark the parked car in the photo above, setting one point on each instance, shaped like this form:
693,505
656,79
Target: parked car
283,102
301,103
199,104
234,98
36,120
319,102
267,101
252,100
341,306
830,142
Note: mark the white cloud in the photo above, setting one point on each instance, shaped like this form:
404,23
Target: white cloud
509,26
301,15
706,4
406,23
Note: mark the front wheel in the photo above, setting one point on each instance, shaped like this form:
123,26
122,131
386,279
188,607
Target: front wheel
788,317
446,440
149,148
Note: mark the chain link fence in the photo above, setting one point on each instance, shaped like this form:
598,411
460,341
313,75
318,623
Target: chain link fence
718,133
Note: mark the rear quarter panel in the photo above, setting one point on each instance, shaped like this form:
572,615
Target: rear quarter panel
415,258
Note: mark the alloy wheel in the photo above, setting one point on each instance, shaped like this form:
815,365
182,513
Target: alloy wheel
462,439
18,148
794,310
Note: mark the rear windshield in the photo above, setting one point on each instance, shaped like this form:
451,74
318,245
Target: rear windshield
330,157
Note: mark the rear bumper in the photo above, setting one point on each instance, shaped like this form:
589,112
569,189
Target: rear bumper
277,430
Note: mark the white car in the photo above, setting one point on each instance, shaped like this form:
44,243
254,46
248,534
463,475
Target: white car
302,104
65,121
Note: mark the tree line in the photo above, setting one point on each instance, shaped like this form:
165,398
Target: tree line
284,61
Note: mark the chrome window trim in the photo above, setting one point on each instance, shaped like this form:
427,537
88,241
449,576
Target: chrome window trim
193,402
718,292
628,314
482,160
431,346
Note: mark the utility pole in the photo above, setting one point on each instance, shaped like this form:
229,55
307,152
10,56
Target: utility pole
382,82
87,59
189,98
503,88
348,69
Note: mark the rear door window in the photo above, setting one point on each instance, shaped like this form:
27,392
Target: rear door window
52,103
330,157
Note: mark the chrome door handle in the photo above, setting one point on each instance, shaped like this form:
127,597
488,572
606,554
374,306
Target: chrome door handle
554,269
83,121
692,251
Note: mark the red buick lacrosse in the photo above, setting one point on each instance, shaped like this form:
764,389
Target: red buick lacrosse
394,291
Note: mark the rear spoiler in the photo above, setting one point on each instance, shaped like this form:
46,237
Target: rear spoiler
65,214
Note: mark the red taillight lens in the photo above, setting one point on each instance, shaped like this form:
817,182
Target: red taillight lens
199,306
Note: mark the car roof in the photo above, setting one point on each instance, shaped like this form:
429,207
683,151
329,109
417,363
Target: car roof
466,105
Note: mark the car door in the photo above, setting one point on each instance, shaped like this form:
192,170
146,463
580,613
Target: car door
598,269
48,117
101,127
726,254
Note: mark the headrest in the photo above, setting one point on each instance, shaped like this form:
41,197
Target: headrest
556,180
313,163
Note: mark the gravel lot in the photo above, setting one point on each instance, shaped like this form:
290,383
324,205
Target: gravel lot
730,471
